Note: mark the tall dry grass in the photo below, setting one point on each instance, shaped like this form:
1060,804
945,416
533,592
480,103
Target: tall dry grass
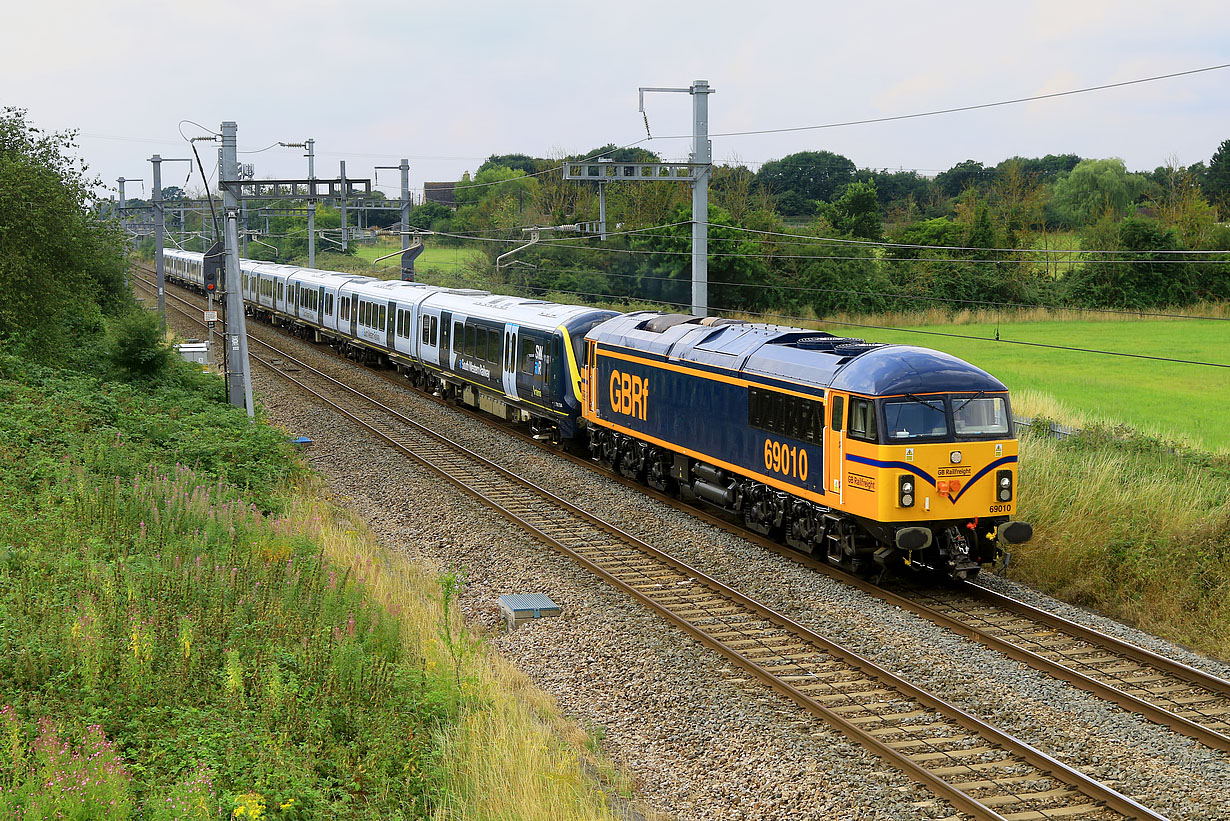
1133,527
512,755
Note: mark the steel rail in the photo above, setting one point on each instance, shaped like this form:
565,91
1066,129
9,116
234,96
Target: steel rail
1099,792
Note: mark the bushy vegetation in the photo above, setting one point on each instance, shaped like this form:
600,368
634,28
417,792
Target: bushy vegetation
183,638
62,269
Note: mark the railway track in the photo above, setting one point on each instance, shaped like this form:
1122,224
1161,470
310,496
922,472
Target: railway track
979,769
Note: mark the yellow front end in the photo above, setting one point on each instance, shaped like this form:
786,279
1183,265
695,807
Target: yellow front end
937,482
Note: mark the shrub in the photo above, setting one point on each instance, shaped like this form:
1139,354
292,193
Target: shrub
136,347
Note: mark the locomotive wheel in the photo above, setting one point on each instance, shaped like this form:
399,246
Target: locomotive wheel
632,462
658,473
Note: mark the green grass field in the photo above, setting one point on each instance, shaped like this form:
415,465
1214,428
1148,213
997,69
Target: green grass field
447,259
1190,403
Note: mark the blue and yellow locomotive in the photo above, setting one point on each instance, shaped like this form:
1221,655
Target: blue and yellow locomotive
869,455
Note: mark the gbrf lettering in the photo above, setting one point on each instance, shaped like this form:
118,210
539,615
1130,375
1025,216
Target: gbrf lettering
629,394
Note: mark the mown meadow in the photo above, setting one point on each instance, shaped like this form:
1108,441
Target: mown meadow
188,631
1036,358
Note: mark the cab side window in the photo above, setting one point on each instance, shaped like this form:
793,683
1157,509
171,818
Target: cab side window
839,412
862,420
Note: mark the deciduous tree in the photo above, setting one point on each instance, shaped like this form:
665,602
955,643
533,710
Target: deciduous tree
809,176
61,268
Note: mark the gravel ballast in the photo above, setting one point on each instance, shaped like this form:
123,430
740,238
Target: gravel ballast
699,741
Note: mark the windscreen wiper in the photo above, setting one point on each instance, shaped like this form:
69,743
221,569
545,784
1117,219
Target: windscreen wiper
926,403
967,401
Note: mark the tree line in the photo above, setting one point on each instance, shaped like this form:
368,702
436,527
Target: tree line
813,232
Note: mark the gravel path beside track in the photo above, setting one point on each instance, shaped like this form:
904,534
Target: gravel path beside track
700,742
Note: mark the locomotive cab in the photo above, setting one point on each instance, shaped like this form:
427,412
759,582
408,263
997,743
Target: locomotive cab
931,475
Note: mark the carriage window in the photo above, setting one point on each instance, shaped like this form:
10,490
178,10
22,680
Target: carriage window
480,350
493,346
862,420
383,318
329,304
426,328
527,355
434,327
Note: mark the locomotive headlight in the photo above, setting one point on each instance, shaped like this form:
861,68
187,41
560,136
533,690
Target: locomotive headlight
905,491
955,457
1003,482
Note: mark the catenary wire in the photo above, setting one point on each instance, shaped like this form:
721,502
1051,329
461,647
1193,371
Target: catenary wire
622,298
956,109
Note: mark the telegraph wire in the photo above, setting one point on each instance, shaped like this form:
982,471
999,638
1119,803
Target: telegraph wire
622,298
956,109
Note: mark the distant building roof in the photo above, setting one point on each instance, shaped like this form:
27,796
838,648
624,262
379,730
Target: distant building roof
442,192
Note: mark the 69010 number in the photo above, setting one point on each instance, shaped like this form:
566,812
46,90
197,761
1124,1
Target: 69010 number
788,460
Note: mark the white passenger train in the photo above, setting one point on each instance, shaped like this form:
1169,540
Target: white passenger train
513,357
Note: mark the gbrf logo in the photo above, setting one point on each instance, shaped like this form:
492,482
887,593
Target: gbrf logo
629,394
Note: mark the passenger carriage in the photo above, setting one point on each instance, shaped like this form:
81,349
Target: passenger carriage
513,357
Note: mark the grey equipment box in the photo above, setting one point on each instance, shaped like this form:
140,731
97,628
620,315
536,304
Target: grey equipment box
518,608
197,352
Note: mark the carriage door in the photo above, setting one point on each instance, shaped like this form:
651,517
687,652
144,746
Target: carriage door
511,334
444,360
390,325
589,367
835,450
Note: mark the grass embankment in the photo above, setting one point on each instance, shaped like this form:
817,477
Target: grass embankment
449,266
1133,527
433,256
214,640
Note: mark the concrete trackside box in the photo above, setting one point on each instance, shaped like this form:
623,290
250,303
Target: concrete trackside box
518,608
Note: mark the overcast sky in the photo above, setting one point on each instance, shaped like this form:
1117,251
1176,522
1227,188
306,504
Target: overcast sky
449,83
